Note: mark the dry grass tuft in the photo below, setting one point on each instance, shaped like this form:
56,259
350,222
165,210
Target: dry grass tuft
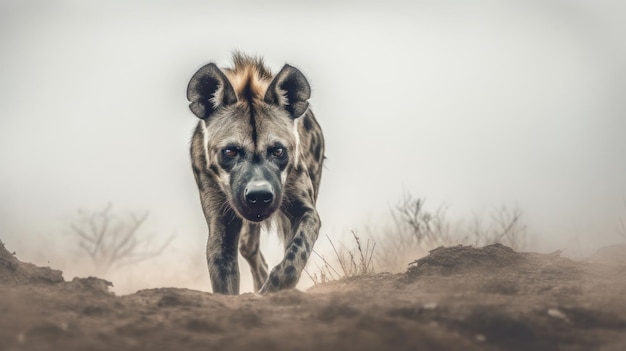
355,262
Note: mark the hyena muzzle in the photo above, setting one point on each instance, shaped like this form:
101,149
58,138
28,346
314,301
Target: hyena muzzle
257,155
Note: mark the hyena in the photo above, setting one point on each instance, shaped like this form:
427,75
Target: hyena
257,155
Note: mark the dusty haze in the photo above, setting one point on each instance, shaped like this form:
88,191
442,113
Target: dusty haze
472,104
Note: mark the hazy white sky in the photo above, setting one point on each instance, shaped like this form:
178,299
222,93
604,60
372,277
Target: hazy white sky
471,103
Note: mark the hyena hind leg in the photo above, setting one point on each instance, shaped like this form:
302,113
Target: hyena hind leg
249,248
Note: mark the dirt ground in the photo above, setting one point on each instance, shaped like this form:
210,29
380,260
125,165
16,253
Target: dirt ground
457,298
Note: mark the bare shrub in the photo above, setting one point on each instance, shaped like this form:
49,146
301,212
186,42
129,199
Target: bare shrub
505,227
508,228
113,241
352,262
424,228
412,230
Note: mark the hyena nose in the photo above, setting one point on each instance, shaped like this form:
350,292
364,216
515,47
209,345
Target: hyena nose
259,193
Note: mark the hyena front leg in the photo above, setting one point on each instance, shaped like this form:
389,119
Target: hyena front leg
249,248
304,231
221,252
224,228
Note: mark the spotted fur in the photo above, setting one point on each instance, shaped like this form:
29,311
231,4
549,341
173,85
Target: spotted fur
257,155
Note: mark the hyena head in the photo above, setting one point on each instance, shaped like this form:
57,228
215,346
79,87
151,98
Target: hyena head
249,130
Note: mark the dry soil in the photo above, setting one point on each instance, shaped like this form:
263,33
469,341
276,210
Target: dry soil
456,298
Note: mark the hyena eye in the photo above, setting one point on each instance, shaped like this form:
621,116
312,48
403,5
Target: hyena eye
278,151
230,152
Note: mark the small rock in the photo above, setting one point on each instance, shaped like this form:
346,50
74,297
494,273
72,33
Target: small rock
554,313
429,306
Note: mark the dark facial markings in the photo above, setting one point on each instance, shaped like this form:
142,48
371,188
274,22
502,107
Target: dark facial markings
247,96
214,169
232,154
229,156
278,155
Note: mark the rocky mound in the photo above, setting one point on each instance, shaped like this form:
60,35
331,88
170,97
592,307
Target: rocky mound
13,271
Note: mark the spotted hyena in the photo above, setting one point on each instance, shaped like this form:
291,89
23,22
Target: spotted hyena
257,156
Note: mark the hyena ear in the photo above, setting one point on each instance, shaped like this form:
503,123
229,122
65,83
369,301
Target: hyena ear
290,90
208,90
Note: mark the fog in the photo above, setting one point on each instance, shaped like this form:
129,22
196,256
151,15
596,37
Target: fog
472,104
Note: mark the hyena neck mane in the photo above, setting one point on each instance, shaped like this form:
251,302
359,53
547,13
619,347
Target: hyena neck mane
249,77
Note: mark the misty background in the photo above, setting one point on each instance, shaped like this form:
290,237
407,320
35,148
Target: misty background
471,104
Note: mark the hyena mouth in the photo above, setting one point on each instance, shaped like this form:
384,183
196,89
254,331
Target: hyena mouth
262,216
256,216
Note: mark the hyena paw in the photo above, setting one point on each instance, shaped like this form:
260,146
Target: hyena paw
282,277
